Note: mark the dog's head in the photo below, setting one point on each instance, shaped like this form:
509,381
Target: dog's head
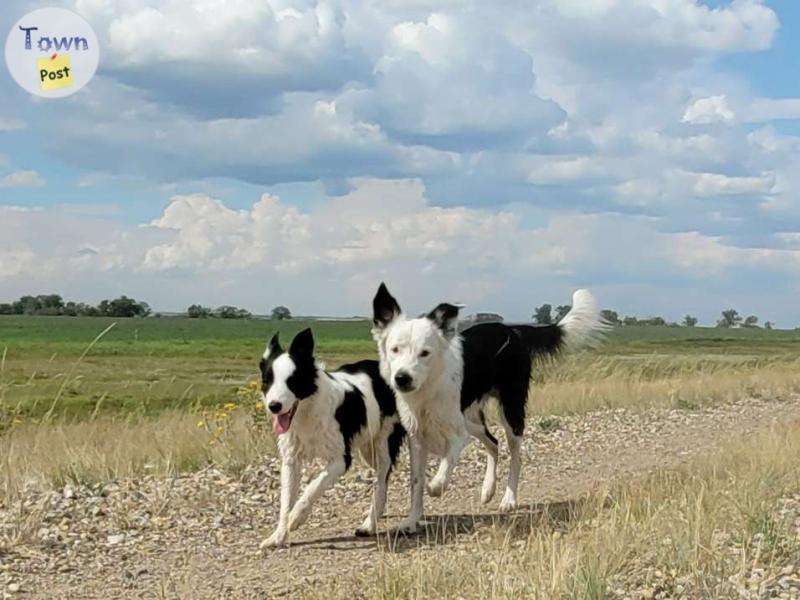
288,377
411,349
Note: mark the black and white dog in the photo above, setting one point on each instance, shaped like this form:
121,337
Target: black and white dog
444,380
329,416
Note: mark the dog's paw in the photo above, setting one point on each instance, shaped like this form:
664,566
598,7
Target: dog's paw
508,503
365,532
276,540
487,493
436,488
406,528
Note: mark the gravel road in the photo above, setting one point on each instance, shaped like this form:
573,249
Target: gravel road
197,535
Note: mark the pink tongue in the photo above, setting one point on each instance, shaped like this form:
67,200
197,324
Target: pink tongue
280,424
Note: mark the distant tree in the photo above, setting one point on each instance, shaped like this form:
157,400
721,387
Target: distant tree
689,321
561,312
543,315
730,318
27,305
123,307
231,312
281,313
90,311
195,311
769,325
611,317
49,304
6,309
654,321
750,321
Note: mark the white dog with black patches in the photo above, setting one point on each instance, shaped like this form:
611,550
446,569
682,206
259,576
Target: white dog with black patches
329,416
443,382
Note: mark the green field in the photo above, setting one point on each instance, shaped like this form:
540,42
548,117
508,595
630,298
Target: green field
146,366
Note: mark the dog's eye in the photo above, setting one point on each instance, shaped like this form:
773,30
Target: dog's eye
395,350
425,353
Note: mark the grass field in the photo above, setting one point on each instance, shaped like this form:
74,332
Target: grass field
74,407
161,396
146,366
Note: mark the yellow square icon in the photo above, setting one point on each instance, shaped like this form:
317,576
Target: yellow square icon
55,72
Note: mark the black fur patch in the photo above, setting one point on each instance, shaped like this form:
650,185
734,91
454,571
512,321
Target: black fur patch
267,375
383,393
303,382
445,316
498,360
540,339
396,439
352,418
384,307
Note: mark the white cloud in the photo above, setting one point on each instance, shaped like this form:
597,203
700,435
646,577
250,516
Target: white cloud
716,184
548,108
16,261
22,179
771,109
329,259
713,109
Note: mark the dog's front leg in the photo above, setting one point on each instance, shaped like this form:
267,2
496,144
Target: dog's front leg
455,445
418,454
290,480
329,475
382,468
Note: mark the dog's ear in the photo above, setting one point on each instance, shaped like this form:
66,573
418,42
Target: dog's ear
384,308
274,346
445,316
303,344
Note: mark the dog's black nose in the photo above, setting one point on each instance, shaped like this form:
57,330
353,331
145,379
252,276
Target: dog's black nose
403,381
275,407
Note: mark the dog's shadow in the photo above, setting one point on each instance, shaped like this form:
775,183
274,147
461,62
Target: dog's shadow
447,528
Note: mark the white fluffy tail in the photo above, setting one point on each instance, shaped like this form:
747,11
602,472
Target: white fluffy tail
583,326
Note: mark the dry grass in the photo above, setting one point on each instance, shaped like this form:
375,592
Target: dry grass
50,454
588,382
695,533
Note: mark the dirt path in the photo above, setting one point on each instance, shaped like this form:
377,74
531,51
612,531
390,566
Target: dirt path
196,536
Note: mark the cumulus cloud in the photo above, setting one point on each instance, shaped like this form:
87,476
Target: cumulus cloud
22,179
713,109
716,184
329,259
592,120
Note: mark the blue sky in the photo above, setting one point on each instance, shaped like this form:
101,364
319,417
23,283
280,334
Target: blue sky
499,154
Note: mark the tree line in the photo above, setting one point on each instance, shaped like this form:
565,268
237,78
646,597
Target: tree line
547,315
54,305
196,311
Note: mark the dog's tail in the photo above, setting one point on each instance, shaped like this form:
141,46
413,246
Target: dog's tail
582,327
